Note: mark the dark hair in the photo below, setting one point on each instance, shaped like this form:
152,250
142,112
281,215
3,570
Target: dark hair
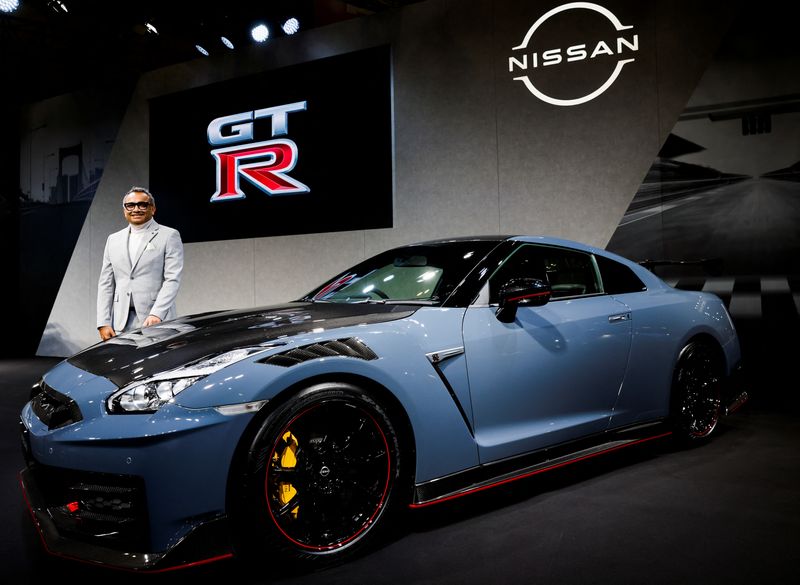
140,190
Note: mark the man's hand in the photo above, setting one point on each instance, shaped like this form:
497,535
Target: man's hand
151,320
106,332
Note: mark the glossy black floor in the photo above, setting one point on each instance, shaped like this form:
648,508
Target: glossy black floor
727,512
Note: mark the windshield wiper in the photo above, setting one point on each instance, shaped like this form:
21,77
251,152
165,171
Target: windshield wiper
355,300
408,302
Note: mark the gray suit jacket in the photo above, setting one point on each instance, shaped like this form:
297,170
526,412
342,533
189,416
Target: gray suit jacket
152,279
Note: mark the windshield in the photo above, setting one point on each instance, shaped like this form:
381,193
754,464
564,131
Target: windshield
423,273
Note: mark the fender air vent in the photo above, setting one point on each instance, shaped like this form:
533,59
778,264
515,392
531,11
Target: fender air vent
54,409
349,347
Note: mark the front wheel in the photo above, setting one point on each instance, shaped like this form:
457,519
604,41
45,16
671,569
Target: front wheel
321,476
696,392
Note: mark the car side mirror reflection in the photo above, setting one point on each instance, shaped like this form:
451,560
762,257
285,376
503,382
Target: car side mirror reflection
526,292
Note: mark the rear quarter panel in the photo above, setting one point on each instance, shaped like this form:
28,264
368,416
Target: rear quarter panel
664,320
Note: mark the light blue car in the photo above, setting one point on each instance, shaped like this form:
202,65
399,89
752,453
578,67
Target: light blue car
423,374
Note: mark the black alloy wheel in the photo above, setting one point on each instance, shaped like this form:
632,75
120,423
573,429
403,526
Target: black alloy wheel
697,392
322,475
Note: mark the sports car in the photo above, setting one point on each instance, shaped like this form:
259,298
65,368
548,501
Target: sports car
423,374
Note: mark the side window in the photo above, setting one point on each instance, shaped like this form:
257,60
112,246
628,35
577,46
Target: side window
524,262
569,273
618,278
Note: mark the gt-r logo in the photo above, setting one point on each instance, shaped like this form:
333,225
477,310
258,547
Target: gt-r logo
264,164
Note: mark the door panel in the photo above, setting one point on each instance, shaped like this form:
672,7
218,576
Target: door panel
550,376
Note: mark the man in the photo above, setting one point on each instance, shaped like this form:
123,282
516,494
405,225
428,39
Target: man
141,271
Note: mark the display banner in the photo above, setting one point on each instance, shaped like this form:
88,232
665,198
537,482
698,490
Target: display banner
298,150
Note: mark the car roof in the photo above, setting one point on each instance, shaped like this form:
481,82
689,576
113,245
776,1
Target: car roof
549,240
482,238
520,238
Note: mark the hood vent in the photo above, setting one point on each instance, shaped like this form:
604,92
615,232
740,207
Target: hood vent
349,347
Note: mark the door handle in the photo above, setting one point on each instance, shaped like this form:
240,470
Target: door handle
619,317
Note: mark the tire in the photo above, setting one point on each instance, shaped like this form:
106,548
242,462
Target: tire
696,393
320,480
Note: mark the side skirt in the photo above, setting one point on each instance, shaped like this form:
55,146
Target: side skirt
491,475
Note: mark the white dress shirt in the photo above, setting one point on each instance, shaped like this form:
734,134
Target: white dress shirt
136,240
137,237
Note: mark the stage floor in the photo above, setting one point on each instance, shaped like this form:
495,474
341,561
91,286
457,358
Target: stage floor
727,512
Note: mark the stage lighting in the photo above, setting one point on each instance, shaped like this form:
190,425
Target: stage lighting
227,42
260,33
57,6
201,50
9,5
291,26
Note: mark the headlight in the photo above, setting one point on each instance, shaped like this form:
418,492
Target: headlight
147,396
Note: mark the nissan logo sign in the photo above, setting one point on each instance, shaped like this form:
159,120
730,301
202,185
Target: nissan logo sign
527,65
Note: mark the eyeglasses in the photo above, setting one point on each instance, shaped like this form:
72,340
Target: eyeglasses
134,204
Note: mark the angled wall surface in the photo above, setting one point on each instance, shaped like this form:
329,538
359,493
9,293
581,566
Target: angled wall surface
475,151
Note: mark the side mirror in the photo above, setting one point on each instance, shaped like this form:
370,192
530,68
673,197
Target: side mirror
528,292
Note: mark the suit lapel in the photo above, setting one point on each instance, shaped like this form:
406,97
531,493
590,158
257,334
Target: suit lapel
147,240
124,241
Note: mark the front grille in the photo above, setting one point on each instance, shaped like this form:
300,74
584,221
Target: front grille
53,408
98,508
348,347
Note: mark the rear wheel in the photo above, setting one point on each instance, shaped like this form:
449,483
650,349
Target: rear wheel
320,478
697,392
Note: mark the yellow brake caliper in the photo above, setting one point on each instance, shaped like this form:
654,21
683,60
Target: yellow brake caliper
288,460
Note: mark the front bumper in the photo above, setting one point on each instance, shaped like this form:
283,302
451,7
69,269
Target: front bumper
74,529
135,492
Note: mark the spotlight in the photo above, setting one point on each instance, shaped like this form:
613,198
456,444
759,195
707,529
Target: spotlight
57,6
150,28
291,26
260,33
226,41
201,50
9,5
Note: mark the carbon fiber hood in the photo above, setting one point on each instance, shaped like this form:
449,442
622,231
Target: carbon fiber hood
143,353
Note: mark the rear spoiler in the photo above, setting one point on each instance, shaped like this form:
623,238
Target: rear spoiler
712,266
